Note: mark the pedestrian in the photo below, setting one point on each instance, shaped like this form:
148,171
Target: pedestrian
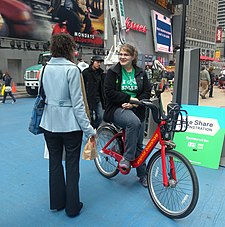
7,79
204,82
148,71
94,85
64,121
212,76
124,82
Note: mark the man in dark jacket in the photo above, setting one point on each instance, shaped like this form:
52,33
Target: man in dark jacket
93,80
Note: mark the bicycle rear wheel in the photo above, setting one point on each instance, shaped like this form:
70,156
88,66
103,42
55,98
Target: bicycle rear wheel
106,164
180,198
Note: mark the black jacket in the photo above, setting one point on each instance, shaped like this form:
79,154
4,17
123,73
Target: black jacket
90,83
115,97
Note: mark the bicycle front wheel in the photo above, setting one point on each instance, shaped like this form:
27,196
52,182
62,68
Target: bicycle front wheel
106,164
180,197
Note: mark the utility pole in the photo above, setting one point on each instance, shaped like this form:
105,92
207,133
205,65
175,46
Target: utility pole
182,46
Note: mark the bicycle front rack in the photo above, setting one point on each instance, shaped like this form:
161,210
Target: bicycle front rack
177,119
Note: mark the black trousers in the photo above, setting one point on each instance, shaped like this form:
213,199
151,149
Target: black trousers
10,94
64,190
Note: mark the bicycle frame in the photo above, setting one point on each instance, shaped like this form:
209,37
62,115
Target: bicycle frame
157,137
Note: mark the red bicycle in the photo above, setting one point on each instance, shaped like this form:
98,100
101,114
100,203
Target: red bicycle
172,181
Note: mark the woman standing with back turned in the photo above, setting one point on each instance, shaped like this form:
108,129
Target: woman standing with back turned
124,82
64,120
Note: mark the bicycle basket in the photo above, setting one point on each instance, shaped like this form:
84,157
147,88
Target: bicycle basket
177,119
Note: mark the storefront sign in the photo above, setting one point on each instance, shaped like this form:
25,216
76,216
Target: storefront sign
203,141
134,26
219,32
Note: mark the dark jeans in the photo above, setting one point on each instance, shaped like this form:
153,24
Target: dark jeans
10,94
64,191
134,135
211,90
97,115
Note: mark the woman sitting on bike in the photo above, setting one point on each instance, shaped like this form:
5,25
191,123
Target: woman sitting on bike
125,82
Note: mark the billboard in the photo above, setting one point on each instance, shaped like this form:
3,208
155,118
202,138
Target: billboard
39,19
162,32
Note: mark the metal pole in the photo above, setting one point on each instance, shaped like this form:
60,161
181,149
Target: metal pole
181,58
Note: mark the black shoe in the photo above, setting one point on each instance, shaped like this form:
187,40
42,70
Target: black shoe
143,181
76,214
59,209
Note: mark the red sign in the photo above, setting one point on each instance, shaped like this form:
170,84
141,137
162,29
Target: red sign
219,32
134,26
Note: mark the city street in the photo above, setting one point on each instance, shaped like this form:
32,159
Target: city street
121,201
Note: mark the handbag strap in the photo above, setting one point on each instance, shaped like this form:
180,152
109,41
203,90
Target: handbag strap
41,91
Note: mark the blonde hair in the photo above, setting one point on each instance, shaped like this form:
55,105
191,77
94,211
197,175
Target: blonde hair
132,51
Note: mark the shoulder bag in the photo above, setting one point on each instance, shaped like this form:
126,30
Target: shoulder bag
38,110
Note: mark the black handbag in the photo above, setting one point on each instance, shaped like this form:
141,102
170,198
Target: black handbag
38,110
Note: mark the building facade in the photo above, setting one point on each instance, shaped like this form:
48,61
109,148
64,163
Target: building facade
21,45
201,26
221,28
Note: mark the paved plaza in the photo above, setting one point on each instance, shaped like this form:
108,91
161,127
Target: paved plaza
120,201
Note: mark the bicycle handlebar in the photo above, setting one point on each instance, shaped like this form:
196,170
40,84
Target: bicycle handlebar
148,104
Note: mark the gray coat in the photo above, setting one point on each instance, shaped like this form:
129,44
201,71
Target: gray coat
64,110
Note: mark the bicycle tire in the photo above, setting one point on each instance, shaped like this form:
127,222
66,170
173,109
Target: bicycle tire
180,198
107,165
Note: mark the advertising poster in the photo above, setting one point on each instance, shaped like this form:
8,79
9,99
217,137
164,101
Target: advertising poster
162,32
39,19
203,141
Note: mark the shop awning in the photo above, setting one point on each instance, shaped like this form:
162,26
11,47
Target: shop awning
206,58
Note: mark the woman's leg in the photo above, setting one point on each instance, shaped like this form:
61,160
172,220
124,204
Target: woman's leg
128,120
72,141
56,174
12,96
4,97
141,170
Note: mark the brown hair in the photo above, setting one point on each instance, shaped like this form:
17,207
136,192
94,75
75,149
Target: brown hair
132,51
62,45
211,68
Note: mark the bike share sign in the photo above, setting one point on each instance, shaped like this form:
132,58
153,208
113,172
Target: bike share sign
203,141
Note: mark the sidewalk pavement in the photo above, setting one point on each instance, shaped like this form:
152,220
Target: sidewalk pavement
218,99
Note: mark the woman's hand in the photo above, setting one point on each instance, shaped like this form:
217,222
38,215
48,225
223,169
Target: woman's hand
127,106
93,139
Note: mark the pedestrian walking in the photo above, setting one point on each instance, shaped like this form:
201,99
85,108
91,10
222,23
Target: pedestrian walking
204,82
212,76
94,85
64,121
7,79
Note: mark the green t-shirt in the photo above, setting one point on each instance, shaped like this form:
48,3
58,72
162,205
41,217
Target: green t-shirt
129,84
